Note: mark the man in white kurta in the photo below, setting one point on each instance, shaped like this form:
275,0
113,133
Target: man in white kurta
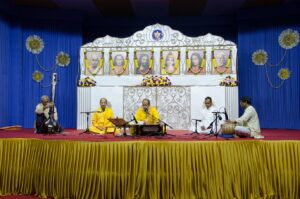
206,116
248,124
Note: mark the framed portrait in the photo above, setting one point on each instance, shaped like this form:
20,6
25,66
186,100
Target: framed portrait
118,63
221,61
93,61
196,62
170,63
143,62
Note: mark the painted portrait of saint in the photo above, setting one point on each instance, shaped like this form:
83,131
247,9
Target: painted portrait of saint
119,63
221,57
143,58
170,59
92,66
196,57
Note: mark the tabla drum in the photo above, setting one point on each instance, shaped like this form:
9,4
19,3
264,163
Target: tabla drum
228,128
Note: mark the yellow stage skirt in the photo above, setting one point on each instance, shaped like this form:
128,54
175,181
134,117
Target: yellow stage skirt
163,169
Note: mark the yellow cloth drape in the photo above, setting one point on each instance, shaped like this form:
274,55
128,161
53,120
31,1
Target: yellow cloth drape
151,118
101,120
73,169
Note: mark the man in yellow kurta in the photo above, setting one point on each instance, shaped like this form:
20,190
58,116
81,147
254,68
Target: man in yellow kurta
147,114
100,122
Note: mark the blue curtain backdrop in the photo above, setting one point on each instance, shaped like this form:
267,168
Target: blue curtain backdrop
4,61
21,94
277,108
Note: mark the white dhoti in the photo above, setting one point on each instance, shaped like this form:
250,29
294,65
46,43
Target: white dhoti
206,124
199,130
243,131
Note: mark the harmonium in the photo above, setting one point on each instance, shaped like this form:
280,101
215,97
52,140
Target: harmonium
146,130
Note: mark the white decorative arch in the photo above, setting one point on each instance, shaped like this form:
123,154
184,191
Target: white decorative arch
171,39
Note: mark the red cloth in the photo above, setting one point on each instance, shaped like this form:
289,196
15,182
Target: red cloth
73,134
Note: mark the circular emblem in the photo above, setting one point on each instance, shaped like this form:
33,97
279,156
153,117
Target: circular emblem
157,35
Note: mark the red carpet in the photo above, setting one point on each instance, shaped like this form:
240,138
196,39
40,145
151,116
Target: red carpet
173,135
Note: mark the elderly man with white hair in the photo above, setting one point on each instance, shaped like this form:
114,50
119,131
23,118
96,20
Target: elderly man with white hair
42,116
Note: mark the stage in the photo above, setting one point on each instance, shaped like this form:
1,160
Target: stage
173,135
181,166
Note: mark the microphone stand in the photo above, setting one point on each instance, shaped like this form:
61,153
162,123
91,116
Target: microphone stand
165,128
216,133
87,113
124,129
213,124
196,127
164,124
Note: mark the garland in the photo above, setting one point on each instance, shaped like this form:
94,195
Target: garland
162,62
214,62
87,66
188,63
113,66
137,66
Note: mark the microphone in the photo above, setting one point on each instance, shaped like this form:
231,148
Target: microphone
226,115
197,120
103,109
146,110
134,118
210,125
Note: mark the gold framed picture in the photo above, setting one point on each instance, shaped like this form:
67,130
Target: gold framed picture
143,62
170,62
196,62
93,61
118,63
221,61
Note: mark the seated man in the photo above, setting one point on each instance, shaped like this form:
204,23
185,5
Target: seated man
248,124
206,116
42,111
147,114
100,122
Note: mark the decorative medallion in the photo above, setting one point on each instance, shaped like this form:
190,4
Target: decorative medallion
157,35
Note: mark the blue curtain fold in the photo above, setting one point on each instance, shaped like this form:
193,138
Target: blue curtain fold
277,108
22,92
4,61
